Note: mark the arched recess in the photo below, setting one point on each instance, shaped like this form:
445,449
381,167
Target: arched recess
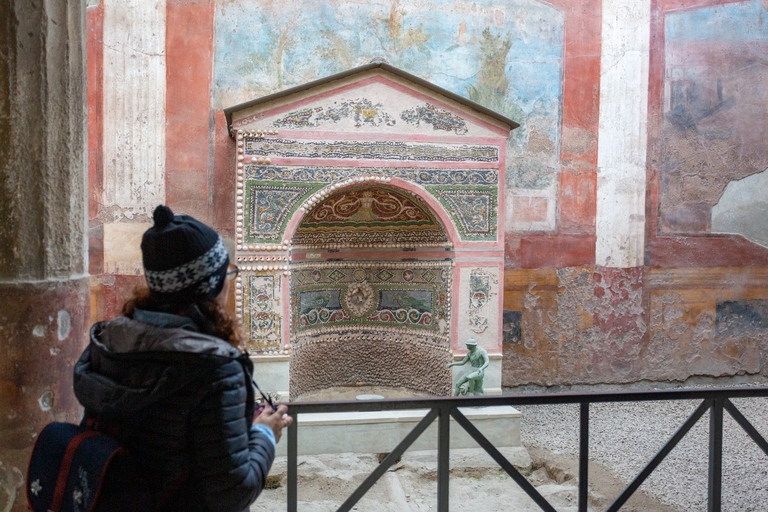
370,291
407,187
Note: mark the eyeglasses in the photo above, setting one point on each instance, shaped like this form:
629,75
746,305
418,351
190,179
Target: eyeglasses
232,271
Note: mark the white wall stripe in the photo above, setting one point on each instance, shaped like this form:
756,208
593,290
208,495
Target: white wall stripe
134,105
621,155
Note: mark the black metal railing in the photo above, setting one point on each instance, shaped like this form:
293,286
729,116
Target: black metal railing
442,409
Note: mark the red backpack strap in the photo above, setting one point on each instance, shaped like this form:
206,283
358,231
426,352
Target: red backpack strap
111,429
66,465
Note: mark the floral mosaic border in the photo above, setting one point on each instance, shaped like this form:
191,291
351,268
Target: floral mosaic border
439,118
273,220
361,110
422,176
474,210
261,309
364,112
374,150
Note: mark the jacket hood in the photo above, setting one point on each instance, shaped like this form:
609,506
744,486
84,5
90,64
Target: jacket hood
123,335
130,365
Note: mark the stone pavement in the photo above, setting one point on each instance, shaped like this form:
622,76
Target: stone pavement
476,484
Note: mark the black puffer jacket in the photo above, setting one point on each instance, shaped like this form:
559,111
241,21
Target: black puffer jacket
185,404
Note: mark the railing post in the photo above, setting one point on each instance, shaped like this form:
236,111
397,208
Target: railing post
715,455
293,459
583,456
443,457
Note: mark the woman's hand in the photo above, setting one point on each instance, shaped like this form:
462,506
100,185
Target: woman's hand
276,420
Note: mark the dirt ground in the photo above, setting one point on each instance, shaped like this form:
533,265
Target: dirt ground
476,484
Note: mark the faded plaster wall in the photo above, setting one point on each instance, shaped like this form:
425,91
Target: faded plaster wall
134,108
684,301
577,325
715,110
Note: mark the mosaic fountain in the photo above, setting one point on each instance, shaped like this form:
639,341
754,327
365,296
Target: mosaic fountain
368,233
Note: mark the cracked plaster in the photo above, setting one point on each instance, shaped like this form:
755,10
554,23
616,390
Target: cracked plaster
586,329
590,326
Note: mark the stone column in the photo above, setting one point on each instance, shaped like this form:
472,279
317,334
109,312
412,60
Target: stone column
44,286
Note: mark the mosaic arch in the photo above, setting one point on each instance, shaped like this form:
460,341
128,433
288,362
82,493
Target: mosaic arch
360,320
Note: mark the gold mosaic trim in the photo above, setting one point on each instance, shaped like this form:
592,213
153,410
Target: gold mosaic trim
371,263
307,339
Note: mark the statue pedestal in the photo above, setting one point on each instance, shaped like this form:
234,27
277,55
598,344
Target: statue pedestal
381,432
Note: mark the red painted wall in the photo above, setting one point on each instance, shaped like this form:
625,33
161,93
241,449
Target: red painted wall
189,120
573,243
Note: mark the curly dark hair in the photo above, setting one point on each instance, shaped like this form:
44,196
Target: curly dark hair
220,324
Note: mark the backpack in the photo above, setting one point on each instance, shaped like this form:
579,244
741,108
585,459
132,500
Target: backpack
79,469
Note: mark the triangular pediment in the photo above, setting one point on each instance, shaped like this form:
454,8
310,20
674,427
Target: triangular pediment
371,99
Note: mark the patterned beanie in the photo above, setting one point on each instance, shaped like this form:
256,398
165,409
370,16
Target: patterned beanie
185,261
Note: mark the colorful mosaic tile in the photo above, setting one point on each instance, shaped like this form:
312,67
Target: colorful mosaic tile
406,238
318,307
481,289
302,118
261,310
369,216
422,176
362,111
475,211
391,295
439,119
269,205
374,150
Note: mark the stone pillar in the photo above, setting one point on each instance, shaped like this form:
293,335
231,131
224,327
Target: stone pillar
44,286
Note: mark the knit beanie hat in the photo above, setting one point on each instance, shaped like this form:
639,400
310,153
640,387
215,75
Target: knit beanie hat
185,261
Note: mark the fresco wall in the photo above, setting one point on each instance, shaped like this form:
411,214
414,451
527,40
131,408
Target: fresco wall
691,306
696,307
715,121
705,241
505,57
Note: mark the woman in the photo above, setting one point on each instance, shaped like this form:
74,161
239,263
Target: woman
169,377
